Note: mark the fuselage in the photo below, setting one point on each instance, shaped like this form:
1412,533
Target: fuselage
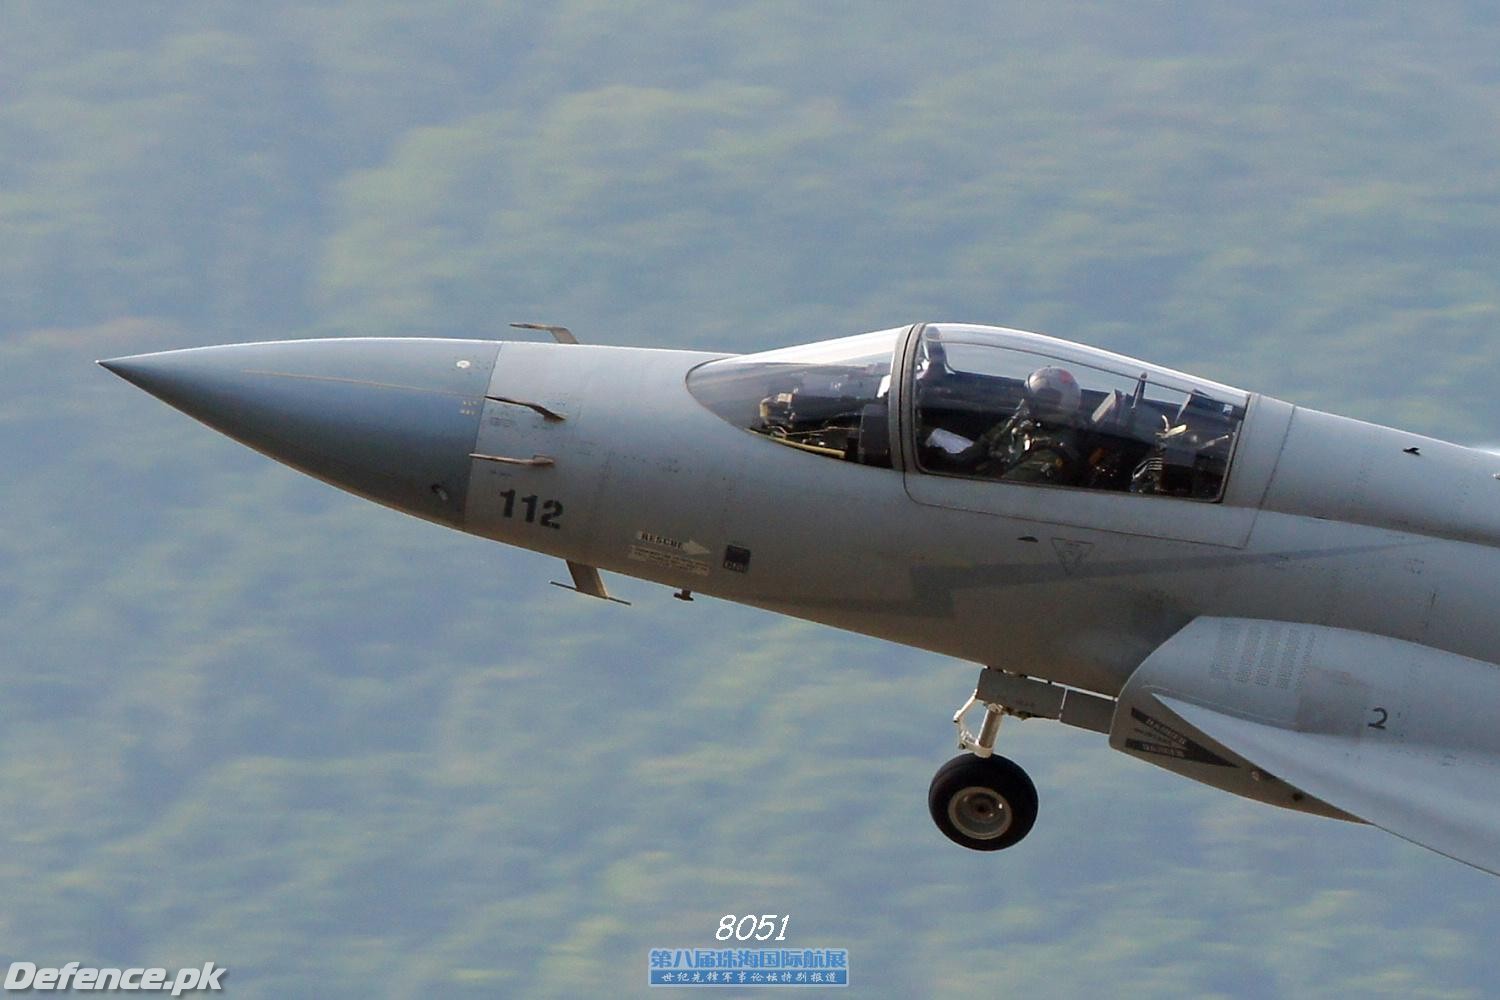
1288,605
1325,520
604,457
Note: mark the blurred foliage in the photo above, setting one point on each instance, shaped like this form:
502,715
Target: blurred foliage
248,719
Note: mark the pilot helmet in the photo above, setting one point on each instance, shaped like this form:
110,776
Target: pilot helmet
1054,393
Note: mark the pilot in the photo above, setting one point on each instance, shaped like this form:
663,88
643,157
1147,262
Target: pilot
1041,441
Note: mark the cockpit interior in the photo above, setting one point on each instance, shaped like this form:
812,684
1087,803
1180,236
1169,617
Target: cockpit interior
986,403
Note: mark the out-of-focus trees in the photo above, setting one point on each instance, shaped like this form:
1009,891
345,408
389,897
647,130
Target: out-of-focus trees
245,718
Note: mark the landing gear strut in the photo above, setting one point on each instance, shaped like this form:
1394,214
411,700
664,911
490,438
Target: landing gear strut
986,802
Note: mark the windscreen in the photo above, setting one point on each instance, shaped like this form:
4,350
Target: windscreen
830,398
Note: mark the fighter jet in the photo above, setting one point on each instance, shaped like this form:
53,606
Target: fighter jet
1288,605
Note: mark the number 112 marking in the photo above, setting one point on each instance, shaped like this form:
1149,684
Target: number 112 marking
551,510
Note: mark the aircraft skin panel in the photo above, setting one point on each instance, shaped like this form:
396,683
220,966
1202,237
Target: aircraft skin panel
1436,797
1215,524
1386,478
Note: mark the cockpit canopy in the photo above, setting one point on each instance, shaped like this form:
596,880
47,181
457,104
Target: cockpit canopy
829,398
987,403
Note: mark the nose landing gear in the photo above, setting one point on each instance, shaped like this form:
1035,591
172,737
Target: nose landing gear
986,802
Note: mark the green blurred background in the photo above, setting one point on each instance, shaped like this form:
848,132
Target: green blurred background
248,719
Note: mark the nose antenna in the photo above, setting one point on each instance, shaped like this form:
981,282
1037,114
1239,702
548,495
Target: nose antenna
561,334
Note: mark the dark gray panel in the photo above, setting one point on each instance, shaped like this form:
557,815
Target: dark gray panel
390,420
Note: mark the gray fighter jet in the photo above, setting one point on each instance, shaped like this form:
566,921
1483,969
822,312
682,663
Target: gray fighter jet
1288,605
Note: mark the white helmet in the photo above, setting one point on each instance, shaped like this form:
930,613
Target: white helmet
1054,393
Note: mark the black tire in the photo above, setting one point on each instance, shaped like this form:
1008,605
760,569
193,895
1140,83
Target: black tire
982,803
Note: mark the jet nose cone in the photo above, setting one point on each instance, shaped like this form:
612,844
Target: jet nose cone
391,420
119,366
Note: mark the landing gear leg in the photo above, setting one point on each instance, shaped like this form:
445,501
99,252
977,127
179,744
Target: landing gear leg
979,800
984,744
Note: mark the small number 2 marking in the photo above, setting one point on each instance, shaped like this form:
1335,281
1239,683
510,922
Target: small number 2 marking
1380,722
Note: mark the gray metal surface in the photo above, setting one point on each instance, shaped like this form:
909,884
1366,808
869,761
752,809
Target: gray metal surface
1387,731
1324,524
390,420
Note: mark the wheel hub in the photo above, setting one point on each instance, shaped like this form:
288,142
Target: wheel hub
980,812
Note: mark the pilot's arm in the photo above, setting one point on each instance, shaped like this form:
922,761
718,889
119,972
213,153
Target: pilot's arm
1050,457
1001,446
